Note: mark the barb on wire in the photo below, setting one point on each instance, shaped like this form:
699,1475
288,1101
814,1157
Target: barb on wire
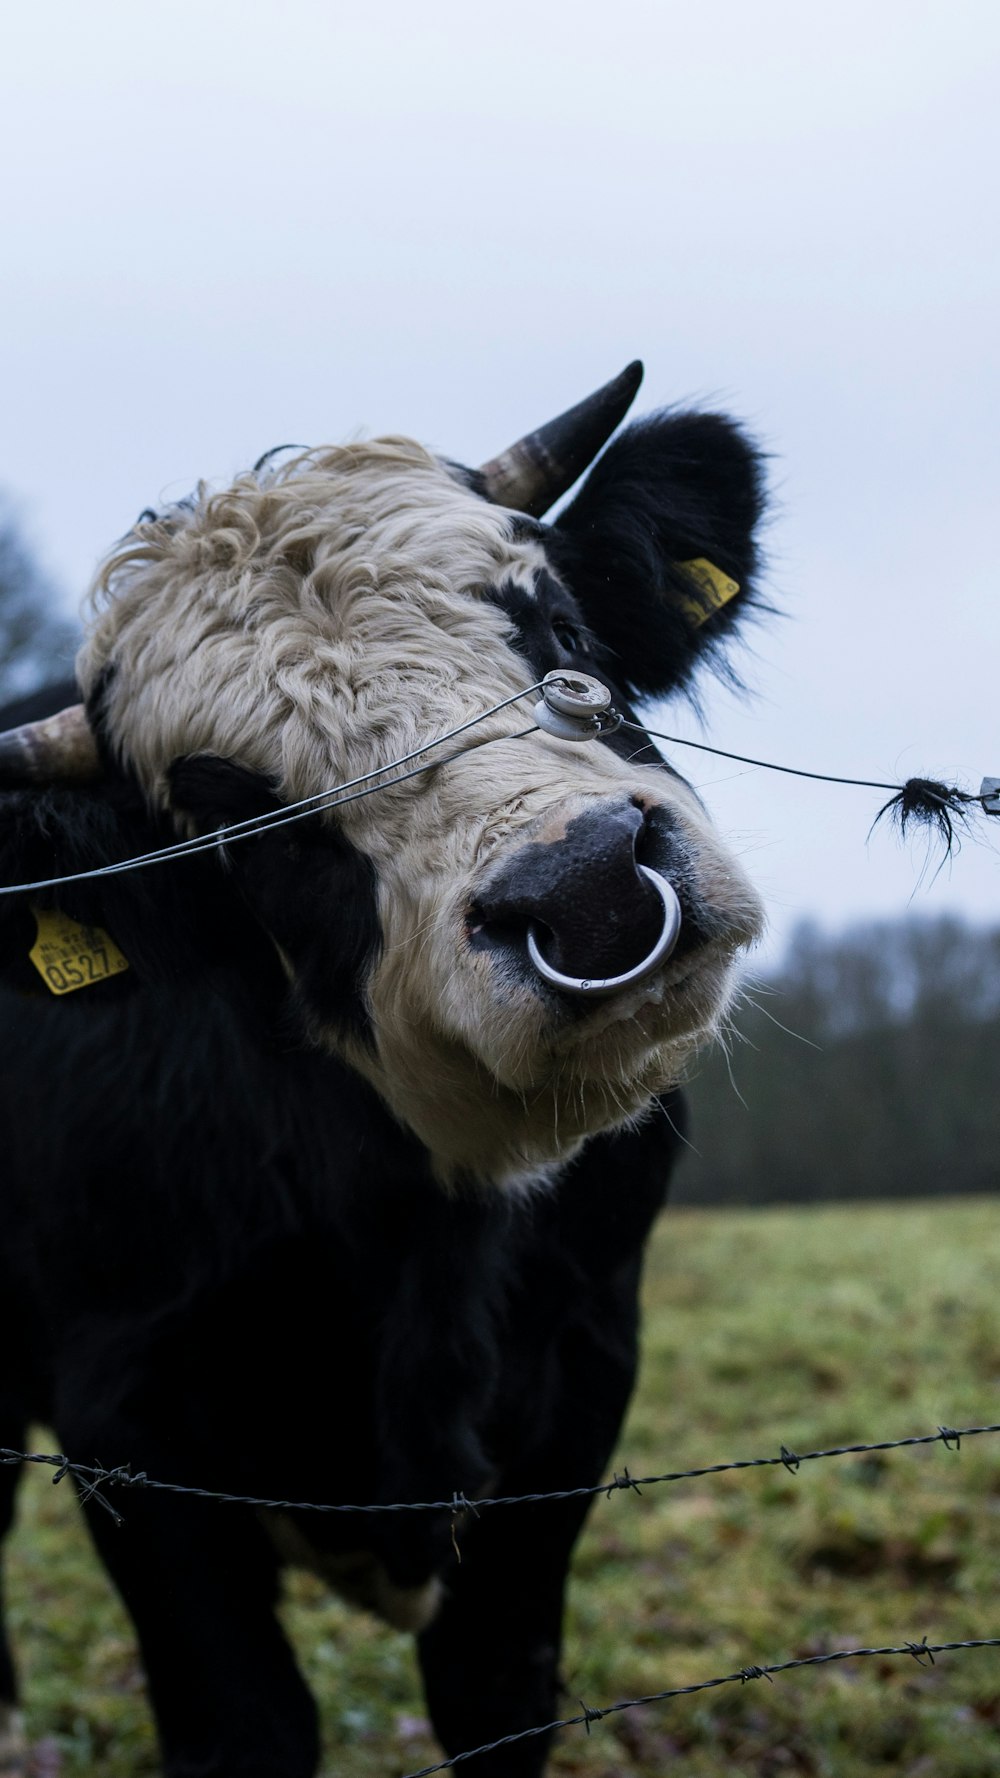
919,1651
91,1476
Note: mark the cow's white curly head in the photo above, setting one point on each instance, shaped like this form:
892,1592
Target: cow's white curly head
318,621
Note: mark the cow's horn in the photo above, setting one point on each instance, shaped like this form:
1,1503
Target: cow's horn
532,474
57,749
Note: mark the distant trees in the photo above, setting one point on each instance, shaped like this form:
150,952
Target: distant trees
889,1086
37,642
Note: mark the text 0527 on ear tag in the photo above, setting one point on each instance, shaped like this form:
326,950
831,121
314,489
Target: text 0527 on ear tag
69,956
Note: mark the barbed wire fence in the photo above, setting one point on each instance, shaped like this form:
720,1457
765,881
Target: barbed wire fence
95,1480
93,1477
920,1651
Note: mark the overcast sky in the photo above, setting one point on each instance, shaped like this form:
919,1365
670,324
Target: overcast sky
226,226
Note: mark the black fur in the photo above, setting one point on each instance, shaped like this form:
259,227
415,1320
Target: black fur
176,922
549,629
668,490
548,626
328,925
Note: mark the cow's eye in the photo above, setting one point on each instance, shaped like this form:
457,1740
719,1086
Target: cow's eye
567,635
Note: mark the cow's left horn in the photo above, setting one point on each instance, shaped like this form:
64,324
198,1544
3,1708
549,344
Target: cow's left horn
532,474
57,749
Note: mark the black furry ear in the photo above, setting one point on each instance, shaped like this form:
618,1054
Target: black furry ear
659,544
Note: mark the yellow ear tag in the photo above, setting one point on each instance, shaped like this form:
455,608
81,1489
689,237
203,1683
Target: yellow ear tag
715,587
68,956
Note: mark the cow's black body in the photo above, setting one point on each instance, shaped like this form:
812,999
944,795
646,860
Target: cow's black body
226,1263
287,1305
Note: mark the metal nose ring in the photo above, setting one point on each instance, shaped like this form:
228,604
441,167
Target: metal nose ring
597,986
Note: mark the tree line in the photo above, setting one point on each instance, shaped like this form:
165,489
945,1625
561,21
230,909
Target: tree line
866,1066
37,641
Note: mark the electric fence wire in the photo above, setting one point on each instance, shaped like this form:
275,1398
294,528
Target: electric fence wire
924,800
332,798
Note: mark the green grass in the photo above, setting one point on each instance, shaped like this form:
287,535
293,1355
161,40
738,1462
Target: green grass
796,1327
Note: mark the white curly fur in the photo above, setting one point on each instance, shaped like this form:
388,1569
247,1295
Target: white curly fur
330,617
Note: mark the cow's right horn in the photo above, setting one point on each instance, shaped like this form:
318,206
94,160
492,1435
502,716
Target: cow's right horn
58,749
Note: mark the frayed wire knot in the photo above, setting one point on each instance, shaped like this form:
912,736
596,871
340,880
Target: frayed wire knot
460,1503
90,1490
927,803
589,1715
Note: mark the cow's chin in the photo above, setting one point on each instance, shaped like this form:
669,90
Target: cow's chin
505,1099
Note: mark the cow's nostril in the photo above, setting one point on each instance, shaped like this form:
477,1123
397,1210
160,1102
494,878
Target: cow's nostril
584,907
596,986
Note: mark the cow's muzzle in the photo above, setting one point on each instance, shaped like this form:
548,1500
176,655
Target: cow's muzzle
589,904
599,985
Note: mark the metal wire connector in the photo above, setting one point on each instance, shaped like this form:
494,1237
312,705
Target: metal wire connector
989,796
575,707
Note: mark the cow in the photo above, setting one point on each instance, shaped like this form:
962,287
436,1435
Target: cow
332,1144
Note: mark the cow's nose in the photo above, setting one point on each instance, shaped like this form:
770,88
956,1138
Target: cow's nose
592,909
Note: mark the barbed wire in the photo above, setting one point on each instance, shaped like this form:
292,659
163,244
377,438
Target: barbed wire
921,1652
93,1477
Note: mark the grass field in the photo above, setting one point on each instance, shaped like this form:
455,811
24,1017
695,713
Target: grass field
796,1327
